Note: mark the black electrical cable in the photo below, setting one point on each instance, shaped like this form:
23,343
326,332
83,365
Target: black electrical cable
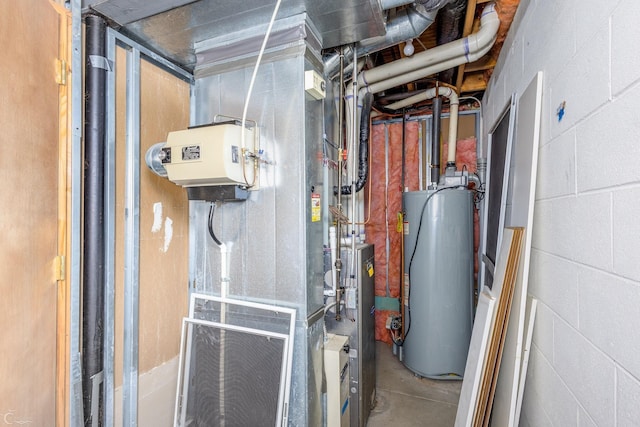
413,253
211,232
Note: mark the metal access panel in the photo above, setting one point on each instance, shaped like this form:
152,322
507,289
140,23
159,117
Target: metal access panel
359,325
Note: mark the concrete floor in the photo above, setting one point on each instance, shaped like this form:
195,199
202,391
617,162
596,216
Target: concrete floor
405,399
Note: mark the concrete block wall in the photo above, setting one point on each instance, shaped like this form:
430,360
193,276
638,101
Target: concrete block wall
585,268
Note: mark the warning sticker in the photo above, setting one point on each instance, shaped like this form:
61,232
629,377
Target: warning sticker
316,208
370,268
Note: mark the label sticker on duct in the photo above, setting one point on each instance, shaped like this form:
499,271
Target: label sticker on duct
191,152
405,227
316,208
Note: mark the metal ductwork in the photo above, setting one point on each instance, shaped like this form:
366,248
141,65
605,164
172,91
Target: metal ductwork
434,60
408,24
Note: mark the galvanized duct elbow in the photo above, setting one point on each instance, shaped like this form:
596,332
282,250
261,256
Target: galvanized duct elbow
408,24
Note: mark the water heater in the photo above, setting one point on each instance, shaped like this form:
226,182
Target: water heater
438,295
205,156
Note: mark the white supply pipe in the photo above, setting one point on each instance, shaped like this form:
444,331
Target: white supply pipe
224,269
388,4
354,165
453,112
443,57
333,245
453,127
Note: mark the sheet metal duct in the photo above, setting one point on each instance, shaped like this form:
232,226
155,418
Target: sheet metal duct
174,27
409,23
275,258
125,12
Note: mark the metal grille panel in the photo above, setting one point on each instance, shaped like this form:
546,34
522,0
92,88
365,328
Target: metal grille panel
235,364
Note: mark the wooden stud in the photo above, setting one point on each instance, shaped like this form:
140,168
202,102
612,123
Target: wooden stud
468,26
62,260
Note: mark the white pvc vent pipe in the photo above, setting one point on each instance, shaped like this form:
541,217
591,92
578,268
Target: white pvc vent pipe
431,61
453,112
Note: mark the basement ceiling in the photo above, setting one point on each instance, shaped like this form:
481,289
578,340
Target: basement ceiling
173,27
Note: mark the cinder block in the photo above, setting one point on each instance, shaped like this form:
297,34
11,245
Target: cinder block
583,84
512,72
576,228
626,232
555,399
590,15
627,400
584,420
543,330
557,167
533,413
549,37
554,281
609,316
625,44
607,151
586,371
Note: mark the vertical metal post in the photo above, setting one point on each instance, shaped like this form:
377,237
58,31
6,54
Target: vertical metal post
192,204
76,413
132,242
354,164
110,230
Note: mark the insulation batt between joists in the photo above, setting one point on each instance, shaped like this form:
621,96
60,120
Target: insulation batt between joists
386,202
386,174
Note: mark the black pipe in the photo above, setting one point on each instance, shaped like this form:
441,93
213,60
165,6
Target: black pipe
450,25
435,140
363,156
94,252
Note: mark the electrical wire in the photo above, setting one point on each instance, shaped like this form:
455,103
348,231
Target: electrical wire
210,224
252,82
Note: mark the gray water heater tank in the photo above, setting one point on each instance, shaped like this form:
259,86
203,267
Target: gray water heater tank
439,297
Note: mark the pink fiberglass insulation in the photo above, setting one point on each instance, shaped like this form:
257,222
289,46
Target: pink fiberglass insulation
465,154
385,205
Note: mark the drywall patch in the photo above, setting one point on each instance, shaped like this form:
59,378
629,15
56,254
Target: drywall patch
157,217
168,233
